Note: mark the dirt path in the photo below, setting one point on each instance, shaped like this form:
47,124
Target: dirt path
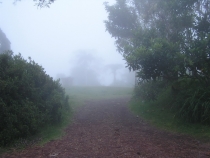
107,129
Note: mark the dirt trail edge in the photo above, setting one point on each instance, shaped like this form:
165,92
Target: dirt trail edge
107,129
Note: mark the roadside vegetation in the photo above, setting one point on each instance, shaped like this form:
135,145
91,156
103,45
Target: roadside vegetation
30,100
163,112
168,44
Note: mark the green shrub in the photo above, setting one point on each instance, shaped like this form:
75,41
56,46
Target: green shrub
29,98
188,98
192,101
149,90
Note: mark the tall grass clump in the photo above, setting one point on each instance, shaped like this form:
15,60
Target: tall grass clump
182,106
29,98
192,101
186,98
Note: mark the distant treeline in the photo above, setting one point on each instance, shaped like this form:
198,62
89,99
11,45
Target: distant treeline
29,98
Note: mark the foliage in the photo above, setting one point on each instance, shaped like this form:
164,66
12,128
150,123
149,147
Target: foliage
41,3
160,114
192,100
187,97
169,42
29,98
149,90
196,108
161,38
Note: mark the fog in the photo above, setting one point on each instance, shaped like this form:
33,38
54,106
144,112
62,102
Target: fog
69,40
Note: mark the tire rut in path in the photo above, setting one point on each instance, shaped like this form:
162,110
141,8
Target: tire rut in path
107,129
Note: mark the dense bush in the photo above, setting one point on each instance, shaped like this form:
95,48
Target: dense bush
29,98
149,90
192,100
188,98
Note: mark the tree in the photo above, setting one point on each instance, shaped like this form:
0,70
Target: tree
40,3
4,42
84,73
159,37
168,41
114,68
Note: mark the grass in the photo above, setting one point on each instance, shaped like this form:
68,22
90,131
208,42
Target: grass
100,92
52,132
159,115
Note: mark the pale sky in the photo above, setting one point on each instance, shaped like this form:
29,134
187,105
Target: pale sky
51,36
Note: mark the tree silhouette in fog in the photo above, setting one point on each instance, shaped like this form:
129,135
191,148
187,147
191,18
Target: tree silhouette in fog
84,73
4,42
114,68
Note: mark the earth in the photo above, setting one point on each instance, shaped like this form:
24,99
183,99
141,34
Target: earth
107,129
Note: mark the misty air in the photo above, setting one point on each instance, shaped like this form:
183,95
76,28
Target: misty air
104,78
